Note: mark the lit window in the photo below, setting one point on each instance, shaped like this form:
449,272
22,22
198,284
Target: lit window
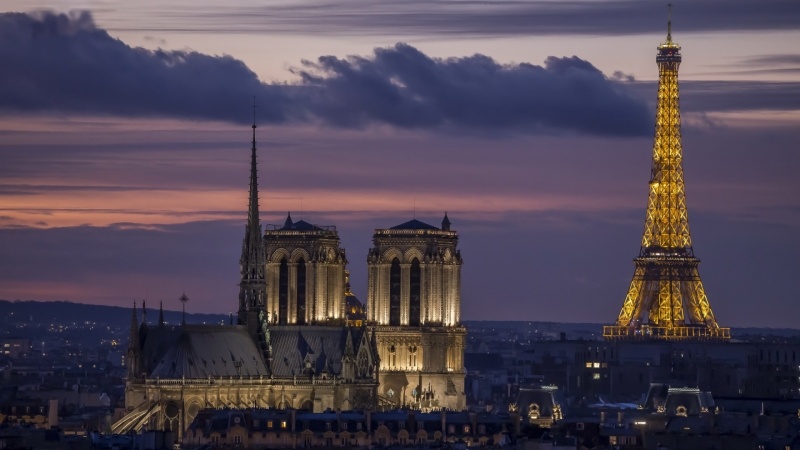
596,365
595,376
589,365
283,424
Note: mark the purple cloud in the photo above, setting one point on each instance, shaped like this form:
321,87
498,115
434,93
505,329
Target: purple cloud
55,62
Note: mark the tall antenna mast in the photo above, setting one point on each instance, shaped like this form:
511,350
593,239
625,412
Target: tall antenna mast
669,22
183,301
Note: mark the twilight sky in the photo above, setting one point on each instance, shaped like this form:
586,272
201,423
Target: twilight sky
124,144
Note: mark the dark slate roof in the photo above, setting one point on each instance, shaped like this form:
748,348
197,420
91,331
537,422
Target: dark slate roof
155,341
300,225
322,346
200,351
414,224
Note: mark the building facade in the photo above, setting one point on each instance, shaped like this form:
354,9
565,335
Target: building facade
414,302
305,274
272,357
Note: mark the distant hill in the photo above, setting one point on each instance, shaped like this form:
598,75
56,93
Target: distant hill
115,316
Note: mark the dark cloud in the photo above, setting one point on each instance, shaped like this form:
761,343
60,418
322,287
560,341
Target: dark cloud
778,64
783,59
740,95
481,18
402,86
709,96
64,63
33,189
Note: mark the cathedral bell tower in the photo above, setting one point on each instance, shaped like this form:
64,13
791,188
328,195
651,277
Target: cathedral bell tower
253,285
414,307
305,273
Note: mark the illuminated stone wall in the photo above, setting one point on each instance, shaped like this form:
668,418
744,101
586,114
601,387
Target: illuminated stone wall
414,302
319,252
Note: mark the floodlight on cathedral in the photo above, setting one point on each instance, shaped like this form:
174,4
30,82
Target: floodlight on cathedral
666,299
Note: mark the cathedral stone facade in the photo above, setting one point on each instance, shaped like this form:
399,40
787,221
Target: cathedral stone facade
301,339
414,302
305,274
290,347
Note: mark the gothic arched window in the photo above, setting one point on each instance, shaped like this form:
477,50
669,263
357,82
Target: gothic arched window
283,292
394,293
415,294
301,291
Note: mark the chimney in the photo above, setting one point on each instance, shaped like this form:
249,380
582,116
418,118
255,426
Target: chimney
52,413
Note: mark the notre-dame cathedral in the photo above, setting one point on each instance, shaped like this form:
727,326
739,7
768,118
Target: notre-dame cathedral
414,304
301,339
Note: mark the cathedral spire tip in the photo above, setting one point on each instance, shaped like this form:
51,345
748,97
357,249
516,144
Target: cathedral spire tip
254,121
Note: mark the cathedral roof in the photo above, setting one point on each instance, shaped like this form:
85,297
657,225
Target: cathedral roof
414,224
200,351
300,225
322,347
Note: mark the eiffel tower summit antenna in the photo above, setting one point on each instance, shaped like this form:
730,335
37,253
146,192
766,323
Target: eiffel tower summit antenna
666,298
669,22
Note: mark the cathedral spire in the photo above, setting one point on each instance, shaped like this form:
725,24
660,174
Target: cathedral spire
253,223
253,286
133,346
134,333
161,313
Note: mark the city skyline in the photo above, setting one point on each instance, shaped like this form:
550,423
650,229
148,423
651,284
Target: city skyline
539,149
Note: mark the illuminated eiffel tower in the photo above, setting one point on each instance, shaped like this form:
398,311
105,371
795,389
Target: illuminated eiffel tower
666,299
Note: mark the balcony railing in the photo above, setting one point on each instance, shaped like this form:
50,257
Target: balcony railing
646,332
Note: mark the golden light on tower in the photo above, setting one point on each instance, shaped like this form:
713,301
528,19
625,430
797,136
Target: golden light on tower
666,299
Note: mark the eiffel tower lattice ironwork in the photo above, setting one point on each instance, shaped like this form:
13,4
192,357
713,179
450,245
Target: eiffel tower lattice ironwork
666,299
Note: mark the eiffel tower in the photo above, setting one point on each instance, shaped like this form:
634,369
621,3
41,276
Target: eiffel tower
666,299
